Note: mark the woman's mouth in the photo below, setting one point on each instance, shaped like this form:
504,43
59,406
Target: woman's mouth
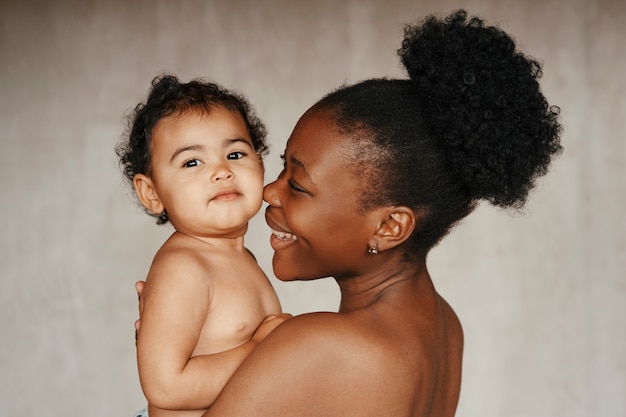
282,240
279,239
284,236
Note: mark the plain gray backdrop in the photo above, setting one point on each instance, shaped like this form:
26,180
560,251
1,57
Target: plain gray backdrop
541,293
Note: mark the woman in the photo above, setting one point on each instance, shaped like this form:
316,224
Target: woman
375,175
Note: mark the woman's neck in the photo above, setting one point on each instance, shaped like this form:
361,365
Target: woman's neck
361,291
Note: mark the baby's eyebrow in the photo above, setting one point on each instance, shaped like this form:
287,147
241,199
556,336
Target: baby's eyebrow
227,142
184,149
237,140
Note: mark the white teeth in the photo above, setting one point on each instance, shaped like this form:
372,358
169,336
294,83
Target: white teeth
284,235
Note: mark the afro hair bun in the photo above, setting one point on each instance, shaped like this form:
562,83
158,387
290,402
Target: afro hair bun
482,103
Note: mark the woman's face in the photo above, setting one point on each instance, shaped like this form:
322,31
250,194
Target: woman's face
317,229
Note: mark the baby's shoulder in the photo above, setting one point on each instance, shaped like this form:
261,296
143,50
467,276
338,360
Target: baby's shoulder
174,253
177,260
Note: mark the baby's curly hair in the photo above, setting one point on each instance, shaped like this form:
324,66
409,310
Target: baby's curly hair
471,124
169,97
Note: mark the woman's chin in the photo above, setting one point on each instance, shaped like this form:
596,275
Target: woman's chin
284,271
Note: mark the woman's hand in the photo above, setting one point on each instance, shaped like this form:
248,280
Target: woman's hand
139,286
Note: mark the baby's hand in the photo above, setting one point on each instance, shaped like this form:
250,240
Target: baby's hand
269,324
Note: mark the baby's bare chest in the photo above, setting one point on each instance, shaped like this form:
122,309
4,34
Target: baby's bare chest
238,304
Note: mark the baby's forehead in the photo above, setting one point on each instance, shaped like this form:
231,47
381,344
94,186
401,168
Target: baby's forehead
202,111
214,115
222,128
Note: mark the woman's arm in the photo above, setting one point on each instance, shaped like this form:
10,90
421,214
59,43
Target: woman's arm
306,367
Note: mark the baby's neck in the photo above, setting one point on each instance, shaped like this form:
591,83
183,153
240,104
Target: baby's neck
231,242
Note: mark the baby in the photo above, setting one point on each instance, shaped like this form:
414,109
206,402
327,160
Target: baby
193,154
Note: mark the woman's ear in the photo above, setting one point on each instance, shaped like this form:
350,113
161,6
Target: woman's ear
397,226
144,187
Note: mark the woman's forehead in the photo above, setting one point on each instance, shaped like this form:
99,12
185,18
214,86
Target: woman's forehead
319,148
314,136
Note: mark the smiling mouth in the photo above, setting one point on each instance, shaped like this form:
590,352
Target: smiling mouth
284,236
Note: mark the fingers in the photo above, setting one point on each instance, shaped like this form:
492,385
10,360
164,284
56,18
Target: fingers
282,317
139,286
268,325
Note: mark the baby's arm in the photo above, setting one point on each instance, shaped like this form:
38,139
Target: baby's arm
175,306
221,366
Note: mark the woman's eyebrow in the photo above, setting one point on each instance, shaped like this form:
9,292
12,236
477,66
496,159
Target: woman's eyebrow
299,164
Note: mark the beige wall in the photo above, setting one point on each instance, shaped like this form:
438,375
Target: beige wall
541,294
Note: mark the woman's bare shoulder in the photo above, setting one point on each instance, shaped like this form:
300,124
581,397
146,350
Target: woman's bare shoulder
316,332
309,357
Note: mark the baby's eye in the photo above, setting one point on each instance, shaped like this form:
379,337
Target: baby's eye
192,163
236,155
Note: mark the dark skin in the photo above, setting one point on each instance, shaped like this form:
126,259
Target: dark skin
395,346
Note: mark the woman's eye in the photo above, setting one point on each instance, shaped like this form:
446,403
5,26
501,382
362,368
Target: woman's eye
295,187
235,155
192,163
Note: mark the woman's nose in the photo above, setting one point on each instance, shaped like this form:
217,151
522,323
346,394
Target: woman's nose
270,194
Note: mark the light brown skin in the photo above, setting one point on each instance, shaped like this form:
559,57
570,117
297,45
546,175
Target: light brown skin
395,346
205,295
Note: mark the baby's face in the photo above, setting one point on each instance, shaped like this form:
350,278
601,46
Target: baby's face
206,172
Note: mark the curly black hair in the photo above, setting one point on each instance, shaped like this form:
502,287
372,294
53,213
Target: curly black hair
168,97
470,124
